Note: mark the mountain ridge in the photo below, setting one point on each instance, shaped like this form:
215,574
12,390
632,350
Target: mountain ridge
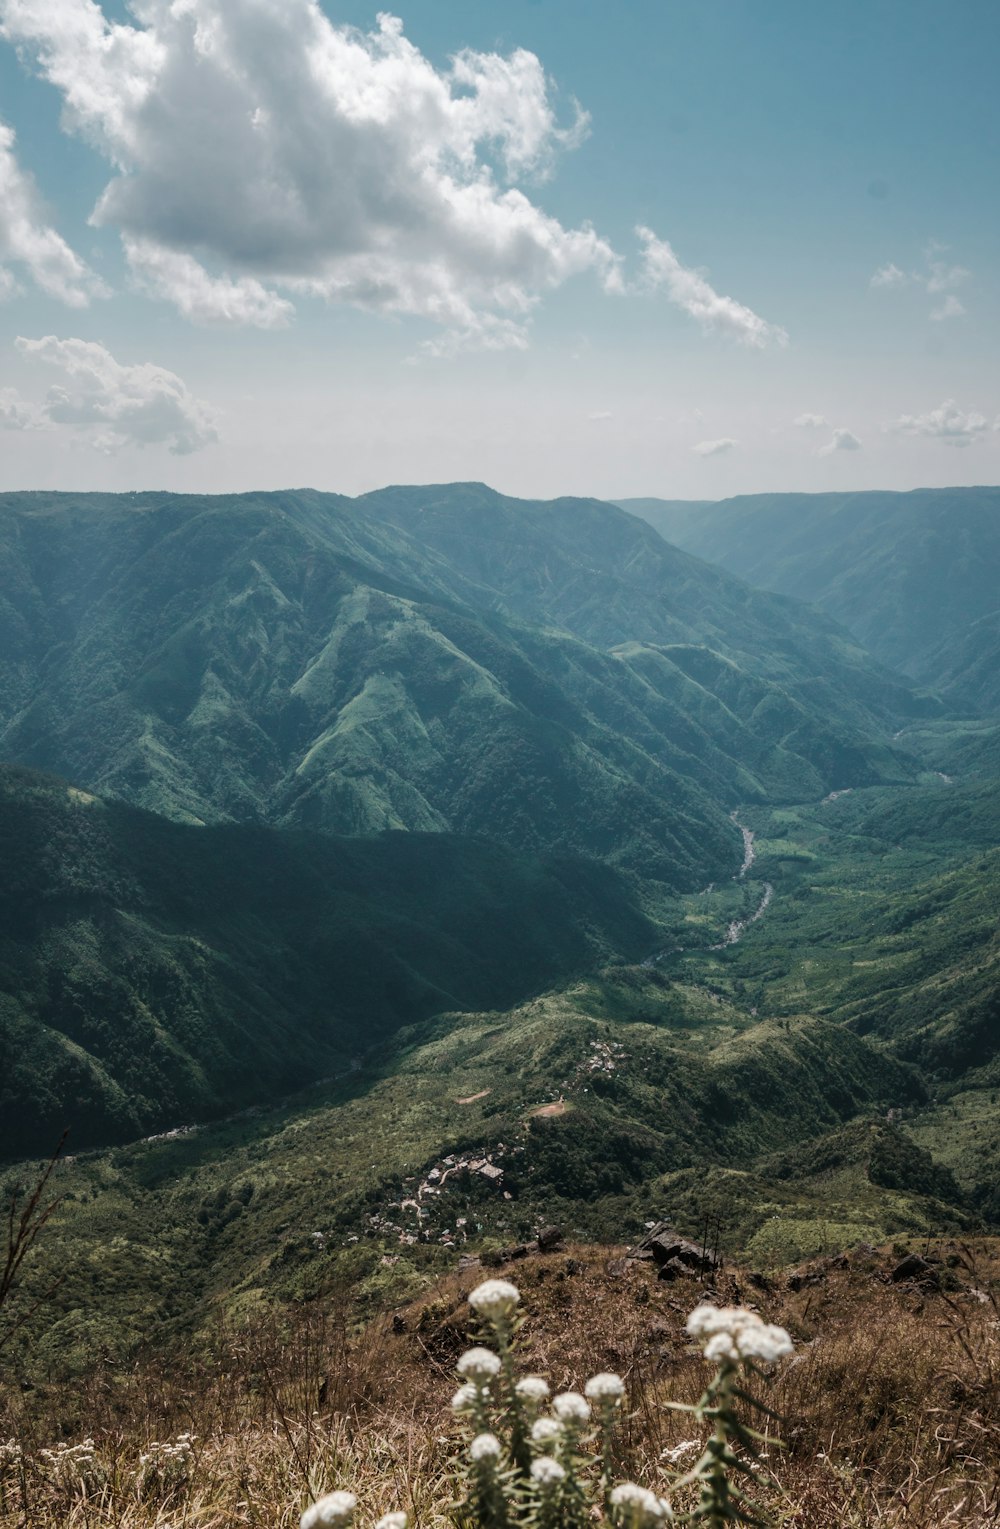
300,660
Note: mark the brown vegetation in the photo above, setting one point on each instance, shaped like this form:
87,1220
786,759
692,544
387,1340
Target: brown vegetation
890,1406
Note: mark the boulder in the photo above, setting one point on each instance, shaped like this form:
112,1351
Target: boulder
913,1267
673,1247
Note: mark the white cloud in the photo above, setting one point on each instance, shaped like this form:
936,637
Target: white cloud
202,298
15,413
943,277
691,291
27,239
810,421
714,448
113,405
947,423
258,148
951,308
889,276
843,440
938,279
601,416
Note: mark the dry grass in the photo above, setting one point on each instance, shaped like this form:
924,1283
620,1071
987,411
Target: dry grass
891,1403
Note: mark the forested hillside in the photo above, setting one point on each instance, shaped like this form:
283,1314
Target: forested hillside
913,576
552,675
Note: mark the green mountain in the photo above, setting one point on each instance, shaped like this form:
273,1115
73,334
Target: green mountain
529,1006
153,973
591,1106
553,676
912,576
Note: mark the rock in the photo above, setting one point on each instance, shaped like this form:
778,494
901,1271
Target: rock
398,1322
799,1278
574,1266
915,1268
549,1238
674,1268
520,1250
666,1248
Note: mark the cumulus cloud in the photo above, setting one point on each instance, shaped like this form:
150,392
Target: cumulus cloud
951,308
202,298
15,414
714,448
947,423
810,421
889,276
842,440
689,290
28,241
111,405
259,149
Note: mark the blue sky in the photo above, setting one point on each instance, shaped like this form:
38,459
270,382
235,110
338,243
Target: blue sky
242,246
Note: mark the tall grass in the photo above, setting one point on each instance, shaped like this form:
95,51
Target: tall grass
890,1405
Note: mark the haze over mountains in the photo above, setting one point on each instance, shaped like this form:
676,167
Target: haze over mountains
912,576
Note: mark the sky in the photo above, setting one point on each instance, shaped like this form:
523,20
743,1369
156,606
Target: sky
677,248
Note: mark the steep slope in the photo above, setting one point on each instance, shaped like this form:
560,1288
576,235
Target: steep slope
152,972
594,1121
905,573
600,573
305,660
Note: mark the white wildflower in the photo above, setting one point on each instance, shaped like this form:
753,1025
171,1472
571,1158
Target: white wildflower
570,1407
485,1447
464,1399
333,1511
479,1366
734,1333
494,1299
721,1346
637,1505
545,1433
766,1342
672,1456
533,1388
605,1388
546,1472
392,1521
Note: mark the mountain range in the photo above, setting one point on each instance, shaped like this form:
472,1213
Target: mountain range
353,847
911,575
553,675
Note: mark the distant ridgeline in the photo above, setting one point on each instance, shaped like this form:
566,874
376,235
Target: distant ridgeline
553,675
915,577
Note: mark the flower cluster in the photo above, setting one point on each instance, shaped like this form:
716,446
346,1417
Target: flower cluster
334,1511
636,1507
11,1458
733,1334
555,1469
495,1300
166,1468
72,1467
